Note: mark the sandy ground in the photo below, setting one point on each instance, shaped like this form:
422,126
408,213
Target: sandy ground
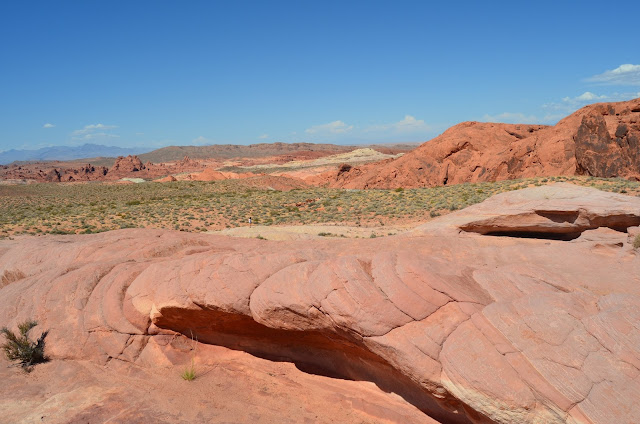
306,232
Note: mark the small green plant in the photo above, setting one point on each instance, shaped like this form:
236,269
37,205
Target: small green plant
636,242
19,348
189,373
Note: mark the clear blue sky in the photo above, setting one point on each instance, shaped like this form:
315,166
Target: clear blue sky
154,73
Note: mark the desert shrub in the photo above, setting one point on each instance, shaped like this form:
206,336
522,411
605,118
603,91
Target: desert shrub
19,348
636,242
189,373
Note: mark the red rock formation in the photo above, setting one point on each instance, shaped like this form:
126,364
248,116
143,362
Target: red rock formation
167,179
602,154
87,172
486,315
127,164
211,175
599,140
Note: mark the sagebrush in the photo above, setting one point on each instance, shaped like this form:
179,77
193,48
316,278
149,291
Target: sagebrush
18,347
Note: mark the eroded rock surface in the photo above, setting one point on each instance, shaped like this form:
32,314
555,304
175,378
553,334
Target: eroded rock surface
465,326
601,140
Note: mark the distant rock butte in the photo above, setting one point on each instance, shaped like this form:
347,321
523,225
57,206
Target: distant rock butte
522,309
601,140
123,167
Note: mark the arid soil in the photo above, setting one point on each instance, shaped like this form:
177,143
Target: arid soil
520,309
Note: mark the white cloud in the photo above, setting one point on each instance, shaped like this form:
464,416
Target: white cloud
407,125
571,104
335,127
410,123
91,129
587,96
201,141
512,118
92,136
48,125
560,109
263,136
626,74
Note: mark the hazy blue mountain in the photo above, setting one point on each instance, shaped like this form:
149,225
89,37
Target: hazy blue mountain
68,153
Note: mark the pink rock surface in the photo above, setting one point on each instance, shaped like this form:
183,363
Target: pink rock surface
530,326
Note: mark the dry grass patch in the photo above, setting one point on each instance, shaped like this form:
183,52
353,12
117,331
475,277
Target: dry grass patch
206,206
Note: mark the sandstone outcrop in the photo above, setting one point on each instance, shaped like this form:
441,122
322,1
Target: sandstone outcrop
167,179
481,316
600,140
127,164
123,167
54,174
212,175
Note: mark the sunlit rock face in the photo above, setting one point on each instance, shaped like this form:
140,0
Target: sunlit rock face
601,140
522,309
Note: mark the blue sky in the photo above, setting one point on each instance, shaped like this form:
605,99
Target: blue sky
156,73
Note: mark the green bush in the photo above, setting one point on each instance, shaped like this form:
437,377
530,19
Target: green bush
636,242
189,373
20,348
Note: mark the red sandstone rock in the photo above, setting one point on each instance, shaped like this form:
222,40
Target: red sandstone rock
211,175
466,326
127,164
123,167
601,140
167,179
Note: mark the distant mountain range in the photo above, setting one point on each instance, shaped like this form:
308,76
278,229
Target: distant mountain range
63,153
